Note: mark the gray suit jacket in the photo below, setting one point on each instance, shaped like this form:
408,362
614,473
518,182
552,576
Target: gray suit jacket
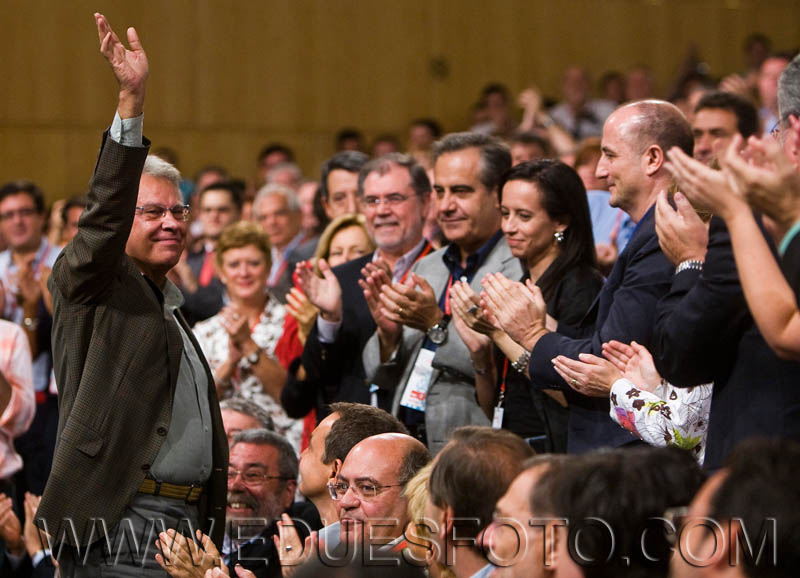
117,357
451,398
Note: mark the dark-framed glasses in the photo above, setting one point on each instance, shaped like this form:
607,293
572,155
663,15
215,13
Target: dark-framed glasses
157,212
252,476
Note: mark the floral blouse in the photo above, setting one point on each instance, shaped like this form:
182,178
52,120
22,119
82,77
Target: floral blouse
670,416
213,340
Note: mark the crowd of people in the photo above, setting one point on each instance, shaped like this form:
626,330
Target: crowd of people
565,346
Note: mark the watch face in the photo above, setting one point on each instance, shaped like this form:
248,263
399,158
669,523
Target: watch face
438,334
253,357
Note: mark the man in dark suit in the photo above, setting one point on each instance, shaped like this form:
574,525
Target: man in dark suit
635,140
140,439
705,330
394,192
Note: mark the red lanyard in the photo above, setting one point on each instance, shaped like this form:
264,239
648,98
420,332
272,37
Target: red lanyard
502,395
447,296
425,251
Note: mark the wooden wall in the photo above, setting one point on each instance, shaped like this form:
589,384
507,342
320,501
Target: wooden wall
227,77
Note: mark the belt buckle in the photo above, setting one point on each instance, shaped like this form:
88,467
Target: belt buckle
156,488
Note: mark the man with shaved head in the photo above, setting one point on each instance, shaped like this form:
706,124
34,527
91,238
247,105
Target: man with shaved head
369,487
635,140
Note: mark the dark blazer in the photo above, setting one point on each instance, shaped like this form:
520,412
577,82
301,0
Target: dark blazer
704,332
206,301
116,361
624,310
260,556
336,368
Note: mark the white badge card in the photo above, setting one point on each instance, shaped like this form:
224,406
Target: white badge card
497,419
416,391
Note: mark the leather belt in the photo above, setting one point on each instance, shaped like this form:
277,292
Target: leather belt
189,494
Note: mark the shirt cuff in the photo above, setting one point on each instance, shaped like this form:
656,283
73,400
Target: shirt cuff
38,557
788,237
620,388
327,330
127,132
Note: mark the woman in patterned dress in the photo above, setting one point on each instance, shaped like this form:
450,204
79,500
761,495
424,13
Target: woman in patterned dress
239,342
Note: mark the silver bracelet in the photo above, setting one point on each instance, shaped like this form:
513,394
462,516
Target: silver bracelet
521,364
689,265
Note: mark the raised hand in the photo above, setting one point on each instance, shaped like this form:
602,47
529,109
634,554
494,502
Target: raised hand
181,557
10,527
519,309
291,550
769,181
466,305
389,331
705,187
299,307
130,66
35,539
29,288
591,376
324,292
412,303
235,324
682,235
635,362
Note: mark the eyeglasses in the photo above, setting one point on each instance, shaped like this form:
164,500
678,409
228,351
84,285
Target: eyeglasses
392,200
157,212
252,476
364,490
26,212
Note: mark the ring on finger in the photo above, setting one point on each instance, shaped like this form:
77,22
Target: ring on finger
401,311
472,310
574,382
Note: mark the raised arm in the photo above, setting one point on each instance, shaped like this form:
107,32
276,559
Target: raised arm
84,270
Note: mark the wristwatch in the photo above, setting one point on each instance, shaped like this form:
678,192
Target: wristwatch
252,358
689,265
438,333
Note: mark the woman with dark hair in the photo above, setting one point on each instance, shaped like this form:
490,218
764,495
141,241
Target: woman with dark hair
545,218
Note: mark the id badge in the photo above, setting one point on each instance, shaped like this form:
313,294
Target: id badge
416,391
497,419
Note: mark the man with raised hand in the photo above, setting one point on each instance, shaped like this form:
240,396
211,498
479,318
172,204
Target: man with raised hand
141,445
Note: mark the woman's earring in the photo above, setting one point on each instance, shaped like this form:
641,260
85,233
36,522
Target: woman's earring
559,235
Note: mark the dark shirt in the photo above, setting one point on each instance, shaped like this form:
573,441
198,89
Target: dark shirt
452,260
529,412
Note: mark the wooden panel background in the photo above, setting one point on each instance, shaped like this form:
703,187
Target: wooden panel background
227,77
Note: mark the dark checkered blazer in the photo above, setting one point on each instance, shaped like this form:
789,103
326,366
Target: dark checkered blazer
116,359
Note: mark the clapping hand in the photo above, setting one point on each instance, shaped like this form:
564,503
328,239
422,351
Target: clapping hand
682,234
324,292
591,376
519,309
768,180
635,362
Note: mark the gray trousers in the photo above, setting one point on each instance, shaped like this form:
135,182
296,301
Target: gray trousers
129,548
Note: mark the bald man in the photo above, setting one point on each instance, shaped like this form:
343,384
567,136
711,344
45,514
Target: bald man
635,140
369,487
